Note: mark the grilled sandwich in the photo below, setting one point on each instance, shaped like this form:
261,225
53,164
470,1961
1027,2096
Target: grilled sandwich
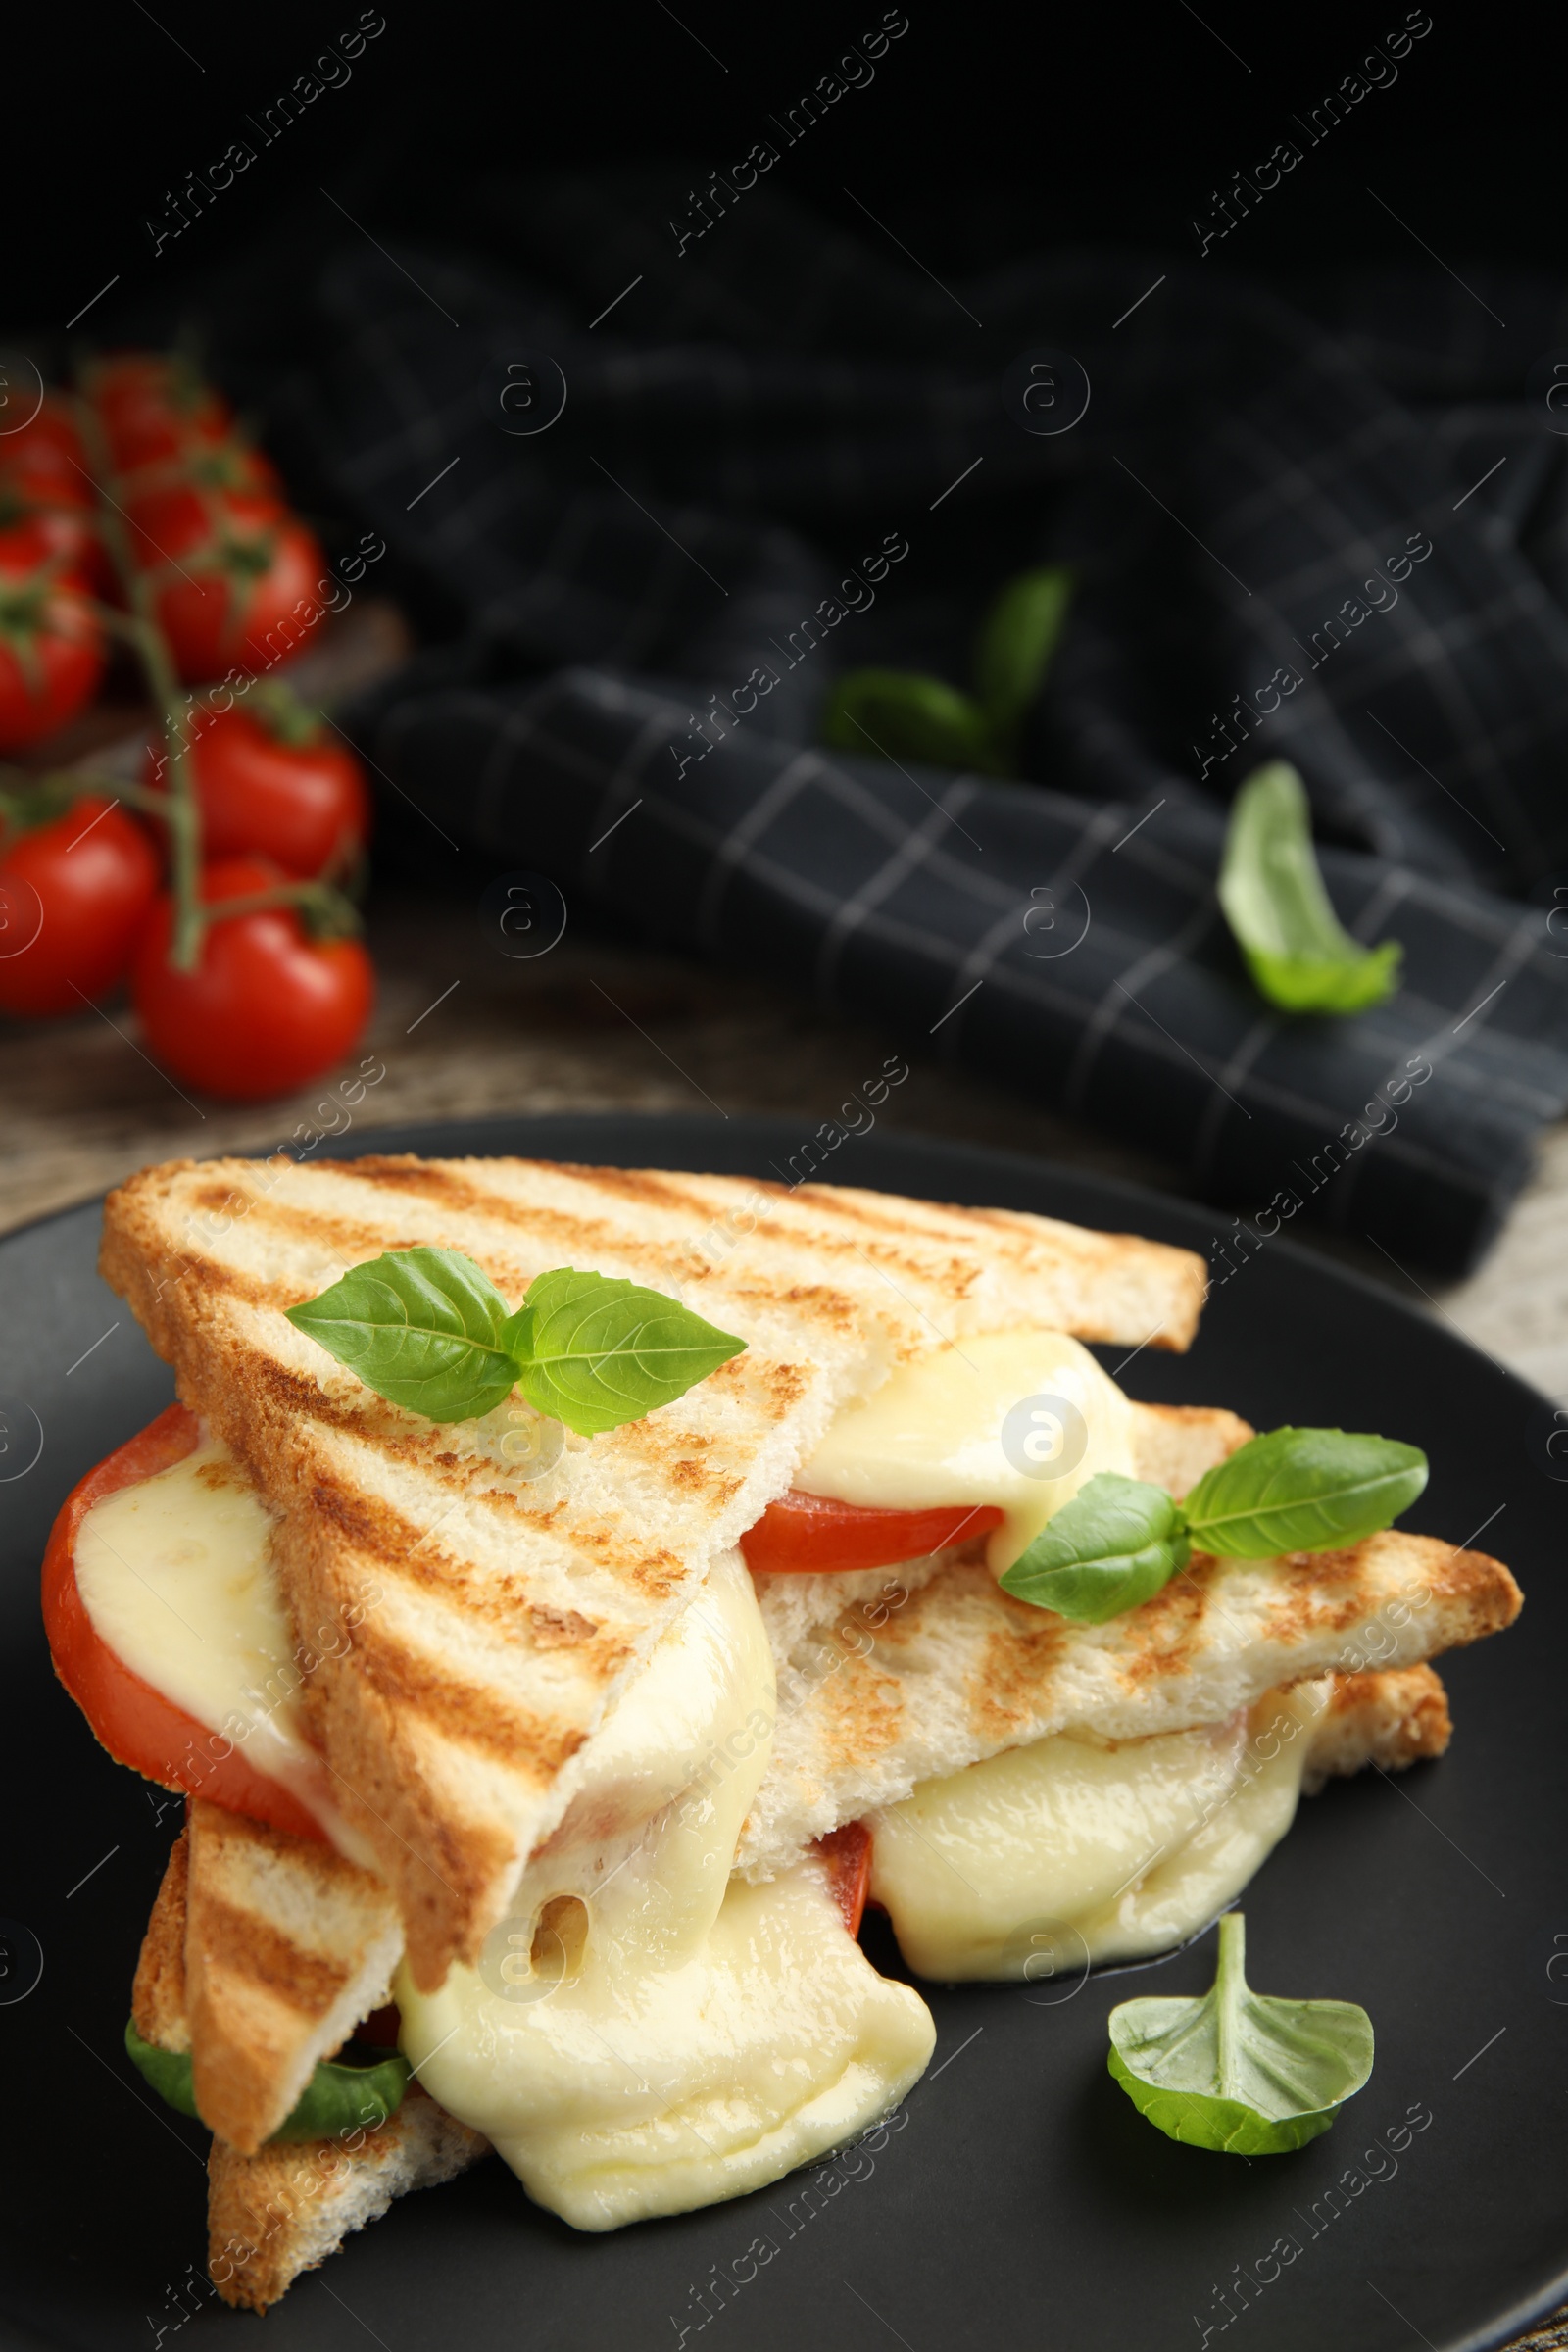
584,1764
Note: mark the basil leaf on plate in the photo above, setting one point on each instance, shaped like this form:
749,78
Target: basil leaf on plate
1115,1545
1235,2070
1271,888
1017,639
1302,1490
426,1329
337,2098
903,714
593,1353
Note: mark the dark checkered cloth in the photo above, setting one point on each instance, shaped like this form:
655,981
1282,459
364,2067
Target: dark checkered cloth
1248,498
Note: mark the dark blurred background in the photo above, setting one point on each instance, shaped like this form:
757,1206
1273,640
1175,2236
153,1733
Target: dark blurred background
1068,125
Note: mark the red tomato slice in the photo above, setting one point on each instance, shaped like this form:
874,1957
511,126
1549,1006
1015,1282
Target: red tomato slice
814,1532
847,1851
135,1722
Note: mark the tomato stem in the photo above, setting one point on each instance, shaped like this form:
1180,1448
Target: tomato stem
26,801
334,914
181,812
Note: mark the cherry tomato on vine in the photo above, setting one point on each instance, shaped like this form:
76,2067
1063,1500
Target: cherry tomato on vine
51,644
266,1008
47,455
227,468
74,896
271,778
37,530
235,577
152,406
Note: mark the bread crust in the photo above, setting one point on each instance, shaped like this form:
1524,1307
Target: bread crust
158,1991
287,1948
283,2210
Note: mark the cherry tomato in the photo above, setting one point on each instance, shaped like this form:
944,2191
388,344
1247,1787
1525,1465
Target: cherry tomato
74,896
266,1009
299,800
51,644
135,1722
35,531
229,468
152,406
48,448
237,580
811,1533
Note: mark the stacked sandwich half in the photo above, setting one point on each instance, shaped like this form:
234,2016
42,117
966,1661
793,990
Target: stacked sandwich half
537,1777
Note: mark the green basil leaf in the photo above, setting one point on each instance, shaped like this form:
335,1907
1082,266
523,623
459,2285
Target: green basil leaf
1236,2070
1302,1490
426,1328
1017,639
1271,888
900,714
1115,1545
593,1353
336,2099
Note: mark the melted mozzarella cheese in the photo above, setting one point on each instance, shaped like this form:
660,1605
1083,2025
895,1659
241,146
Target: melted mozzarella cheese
1020,1419
1073,1850
643,2035
176,1575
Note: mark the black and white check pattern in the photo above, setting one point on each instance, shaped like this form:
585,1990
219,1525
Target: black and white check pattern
753,421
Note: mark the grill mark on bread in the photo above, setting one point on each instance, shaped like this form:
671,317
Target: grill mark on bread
244,1941
465,1712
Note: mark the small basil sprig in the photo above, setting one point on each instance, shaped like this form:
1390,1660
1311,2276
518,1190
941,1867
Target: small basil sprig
1236,2070
1115,1544
908,714
1301,1489
1120,1540
427,1330
1271,890
336,2098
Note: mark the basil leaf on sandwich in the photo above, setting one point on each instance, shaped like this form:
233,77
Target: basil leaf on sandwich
1271,890
593,1353
1302,1490
1120,1540
1115,1545
337,2098
427,1330
1240,2071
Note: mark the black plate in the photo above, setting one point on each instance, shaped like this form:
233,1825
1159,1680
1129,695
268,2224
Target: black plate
1023,2202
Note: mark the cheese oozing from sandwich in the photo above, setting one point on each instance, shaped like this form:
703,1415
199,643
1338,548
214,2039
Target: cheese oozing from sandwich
1044,1859
176,1575
1018,1419
643,2035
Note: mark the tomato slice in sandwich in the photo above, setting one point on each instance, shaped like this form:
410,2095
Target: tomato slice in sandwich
807,1533
135,1722
847,1851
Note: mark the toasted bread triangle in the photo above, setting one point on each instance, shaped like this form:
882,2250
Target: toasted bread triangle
947,1669
464,1630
